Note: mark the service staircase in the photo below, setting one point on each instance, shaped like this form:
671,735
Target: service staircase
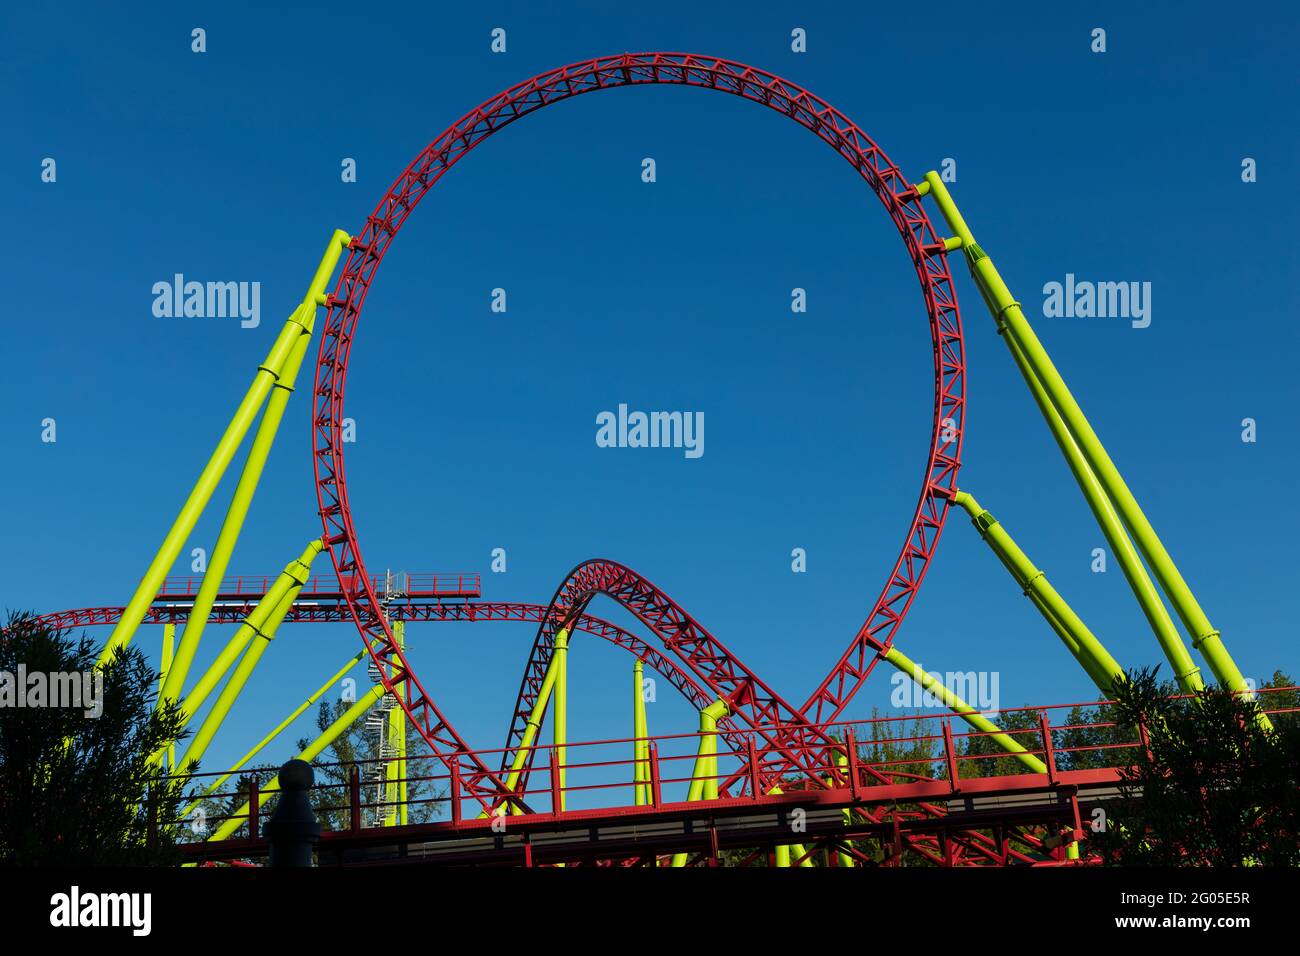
395,589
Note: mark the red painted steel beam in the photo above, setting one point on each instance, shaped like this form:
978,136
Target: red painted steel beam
369,247
697,696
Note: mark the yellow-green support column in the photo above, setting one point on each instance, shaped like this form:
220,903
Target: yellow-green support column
395,769
534,719
964,710
235,685
559,726
297,325
785,851
641,743
293,576
1012,320
1095,659
313,750
1153,608
709,746
843,858
168,650
705,767
279,728
281,389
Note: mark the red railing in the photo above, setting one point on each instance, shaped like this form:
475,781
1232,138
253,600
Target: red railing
891,760
424,584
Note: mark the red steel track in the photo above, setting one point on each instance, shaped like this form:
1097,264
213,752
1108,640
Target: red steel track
324,606
703,655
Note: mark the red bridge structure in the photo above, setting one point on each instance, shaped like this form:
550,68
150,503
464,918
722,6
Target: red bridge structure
761,779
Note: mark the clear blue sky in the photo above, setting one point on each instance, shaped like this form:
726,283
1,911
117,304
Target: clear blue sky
476,430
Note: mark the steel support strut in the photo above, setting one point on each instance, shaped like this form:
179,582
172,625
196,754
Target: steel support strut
704,775
282,388
297,573
293,576
313,750
964,710
366,253
641,746
395,769
279,728
1078,639
296,328
1020,335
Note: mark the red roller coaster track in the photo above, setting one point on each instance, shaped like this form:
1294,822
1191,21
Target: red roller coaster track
701,653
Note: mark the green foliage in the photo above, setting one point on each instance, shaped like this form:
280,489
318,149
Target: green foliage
982,756
354,748
77,789
903,750
1218,790
900,748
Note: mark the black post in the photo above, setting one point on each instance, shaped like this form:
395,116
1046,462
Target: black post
292,830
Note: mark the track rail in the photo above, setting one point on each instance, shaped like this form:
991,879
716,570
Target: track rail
310,611
367,250
789,743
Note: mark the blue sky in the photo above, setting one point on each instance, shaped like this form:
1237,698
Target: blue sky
476,430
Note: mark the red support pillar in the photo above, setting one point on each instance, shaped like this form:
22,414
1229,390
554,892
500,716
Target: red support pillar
354,799
254,799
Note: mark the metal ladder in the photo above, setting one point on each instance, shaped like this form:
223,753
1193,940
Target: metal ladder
395,588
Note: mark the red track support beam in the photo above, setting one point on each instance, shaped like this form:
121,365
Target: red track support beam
367,250
950,756
254,810
453,791
1049,752
656,797
354,799
851,751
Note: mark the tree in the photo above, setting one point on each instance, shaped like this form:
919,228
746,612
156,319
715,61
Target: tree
1216,790
982,756
76,785
356,747
900,749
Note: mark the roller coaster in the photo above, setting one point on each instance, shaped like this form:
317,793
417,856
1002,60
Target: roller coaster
760,779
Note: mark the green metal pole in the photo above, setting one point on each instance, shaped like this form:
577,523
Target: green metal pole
559,727
1153,608
235,515
1012,319
298,324
279,728
168,649
705,767
1089,650
395,769
785,851
964,710
709,747
207,483
641,755
842,858
295,573
235,685
233,523
534,719
314,749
